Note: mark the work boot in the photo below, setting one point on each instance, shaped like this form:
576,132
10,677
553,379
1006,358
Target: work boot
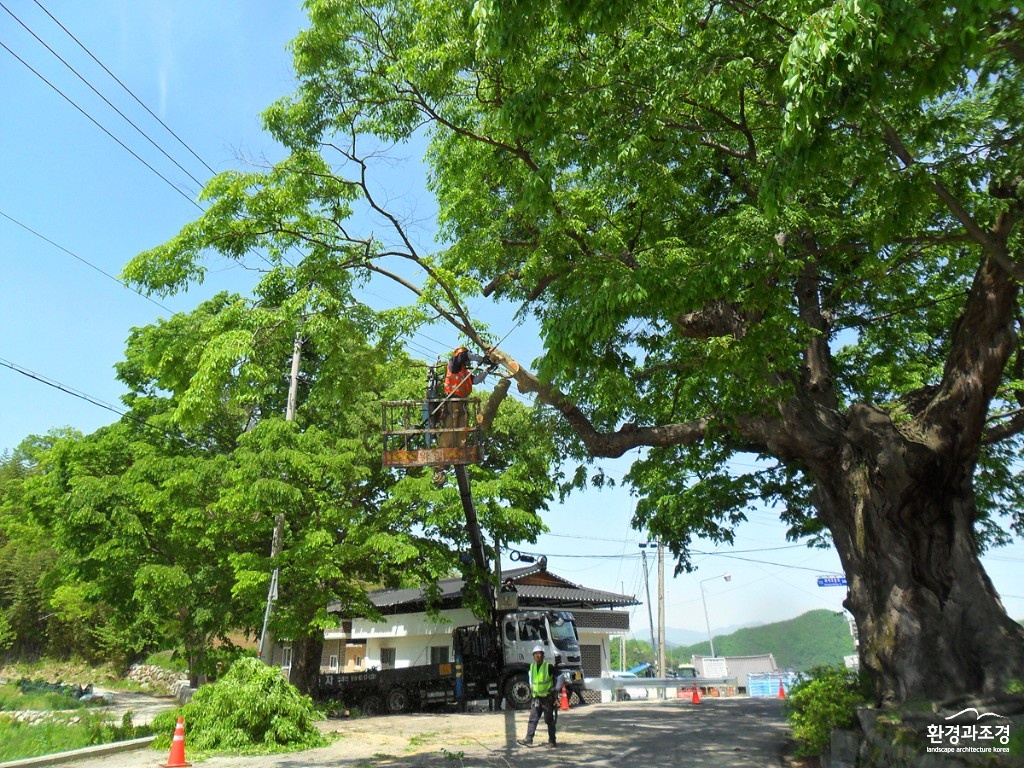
552,745
524,742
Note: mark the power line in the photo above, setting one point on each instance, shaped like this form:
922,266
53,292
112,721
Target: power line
61,387
127,414
105,99
85,261
779,565
111,135
91,119
126,88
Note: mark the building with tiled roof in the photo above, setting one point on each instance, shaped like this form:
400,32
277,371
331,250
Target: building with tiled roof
408,636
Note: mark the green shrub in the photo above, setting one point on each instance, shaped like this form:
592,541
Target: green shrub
827,699
1016,744
252,709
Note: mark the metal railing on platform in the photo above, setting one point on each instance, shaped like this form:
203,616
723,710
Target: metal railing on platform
431,433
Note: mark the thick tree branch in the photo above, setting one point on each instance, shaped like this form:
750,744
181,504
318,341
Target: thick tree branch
716,319
982,341
1014,426
991,242
490,408
817,373
757,433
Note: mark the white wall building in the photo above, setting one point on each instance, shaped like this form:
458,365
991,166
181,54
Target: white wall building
408,636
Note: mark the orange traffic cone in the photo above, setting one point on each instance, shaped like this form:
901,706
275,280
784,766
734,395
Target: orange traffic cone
695,699
563,704
177,757
782,691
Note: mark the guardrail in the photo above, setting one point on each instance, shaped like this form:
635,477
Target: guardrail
614,683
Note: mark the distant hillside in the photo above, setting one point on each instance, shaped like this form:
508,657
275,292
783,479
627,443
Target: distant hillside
811,639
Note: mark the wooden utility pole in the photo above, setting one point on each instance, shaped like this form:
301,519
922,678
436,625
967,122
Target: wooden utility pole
275,550
661,615
647,588
293,383
622,643
276,543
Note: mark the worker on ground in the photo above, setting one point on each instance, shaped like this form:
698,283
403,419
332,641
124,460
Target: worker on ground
458,385
542,686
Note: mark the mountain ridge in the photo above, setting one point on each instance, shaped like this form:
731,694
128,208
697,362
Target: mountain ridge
816,638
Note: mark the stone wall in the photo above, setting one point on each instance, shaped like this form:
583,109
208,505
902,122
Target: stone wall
158,679
887,741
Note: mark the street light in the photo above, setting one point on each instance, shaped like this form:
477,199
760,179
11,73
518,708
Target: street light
711,641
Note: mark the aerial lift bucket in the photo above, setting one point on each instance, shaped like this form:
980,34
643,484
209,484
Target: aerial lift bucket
415,435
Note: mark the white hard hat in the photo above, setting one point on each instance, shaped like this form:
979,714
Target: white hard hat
538,649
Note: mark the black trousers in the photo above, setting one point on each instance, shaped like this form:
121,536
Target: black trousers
542,705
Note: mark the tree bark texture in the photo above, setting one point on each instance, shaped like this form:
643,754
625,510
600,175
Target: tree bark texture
901,515
306,656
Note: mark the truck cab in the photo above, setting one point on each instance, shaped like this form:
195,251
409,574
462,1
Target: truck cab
521,631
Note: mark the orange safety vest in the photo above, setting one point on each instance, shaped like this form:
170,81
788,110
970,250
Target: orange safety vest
457,384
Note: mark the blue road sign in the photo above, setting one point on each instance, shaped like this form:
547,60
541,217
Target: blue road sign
831,581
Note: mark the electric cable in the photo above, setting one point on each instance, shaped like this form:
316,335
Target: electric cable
92,400
126,88
105,99
91,119
85,261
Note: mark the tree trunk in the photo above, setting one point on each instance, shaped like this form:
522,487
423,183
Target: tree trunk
306,655
196,657
901,512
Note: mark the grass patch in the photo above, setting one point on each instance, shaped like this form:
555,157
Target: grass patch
12,699
170,660
21,740
67,671
420,739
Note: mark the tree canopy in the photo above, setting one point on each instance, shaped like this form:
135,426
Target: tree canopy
156,531
785,228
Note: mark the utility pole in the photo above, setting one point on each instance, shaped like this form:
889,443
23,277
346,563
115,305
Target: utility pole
647,588
661,615
276,543
275,550
622,643
293,383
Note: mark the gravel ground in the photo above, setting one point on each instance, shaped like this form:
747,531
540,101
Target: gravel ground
723,733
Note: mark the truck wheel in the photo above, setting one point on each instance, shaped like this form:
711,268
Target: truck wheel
517,692
372,705
398,701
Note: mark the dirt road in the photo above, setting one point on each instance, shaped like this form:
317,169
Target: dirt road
721,733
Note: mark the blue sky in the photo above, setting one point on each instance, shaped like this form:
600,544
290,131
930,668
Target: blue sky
207,69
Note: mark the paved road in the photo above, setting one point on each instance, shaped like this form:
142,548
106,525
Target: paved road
720,733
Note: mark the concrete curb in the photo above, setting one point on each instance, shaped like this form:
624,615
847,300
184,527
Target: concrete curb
81,754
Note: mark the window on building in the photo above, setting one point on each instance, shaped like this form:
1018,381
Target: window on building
439,654
286,657
332,662
387,658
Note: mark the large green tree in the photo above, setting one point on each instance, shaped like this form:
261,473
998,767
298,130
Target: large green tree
788,228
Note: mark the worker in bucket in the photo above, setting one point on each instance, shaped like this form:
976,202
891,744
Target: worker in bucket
458,385
543,686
